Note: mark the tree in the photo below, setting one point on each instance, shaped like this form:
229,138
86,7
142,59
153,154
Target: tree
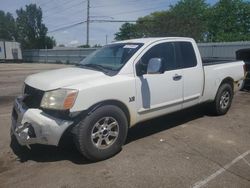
127,31
229,20
32,33
186,18
190,18
7,26
157,24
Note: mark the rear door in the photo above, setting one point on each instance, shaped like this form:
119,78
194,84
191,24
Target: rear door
192,71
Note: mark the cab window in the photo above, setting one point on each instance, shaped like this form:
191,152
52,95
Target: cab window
165,51
186,54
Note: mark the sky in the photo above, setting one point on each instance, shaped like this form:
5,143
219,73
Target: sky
60,13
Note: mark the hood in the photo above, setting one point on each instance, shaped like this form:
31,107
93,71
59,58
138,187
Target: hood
59,78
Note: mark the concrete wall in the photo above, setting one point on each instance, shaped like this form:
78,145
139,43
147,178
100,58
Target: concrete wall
75,55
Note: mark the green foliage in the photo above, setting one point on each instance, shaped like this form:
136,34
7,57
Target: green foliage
228,20
189,18
32,33
186,18
127,31
7,26
27,29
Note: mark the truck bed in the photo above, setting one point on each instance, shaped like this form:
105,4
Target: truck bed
215,61
215,70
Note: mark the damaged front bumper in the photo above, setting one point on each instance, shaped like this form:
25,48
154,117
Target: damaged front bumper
33,126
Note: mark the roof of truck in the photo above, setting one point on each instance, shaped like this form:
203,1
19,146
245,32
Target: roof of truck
153,39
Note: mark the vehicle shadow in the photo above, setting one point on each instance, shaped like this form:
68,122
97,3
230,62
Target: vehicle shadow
43,153
68,151
166,122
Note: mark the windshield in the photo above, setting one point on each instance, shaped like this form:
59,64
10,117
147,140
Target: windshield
111,57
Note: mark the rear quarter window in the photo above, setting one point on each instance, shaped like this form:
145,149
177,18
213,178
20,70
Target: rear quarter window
186,54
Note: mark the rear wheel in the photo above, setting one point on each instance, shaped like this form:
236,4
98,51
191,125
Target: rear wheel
223,99
102,133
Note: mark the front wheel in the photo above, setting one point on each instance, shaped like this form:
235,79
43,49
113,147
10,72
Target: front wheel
102,133
223,99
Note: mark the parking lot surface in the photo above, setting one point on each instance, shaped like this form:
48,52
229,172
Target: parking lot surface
190,148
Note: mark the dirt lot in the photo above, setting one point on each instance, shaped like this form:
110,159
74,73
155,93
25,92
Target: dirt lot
184,149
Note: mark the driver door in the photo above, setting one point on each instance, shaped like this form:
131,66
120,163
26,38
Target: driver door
159,93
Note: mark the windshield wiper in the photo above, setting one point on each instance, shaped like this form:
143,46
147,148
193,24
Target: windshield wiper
96,66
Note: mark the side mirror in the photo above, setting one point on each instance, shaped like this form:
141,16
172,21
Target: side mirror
154,66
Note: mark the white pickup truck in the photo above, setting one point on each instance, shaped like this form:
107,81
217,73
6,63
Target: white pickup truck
118,86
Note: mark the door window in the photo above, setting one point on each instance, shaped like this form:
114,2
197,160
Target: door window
166,52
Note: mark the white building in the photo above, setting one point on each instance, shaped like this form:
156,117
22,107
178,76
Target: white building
10,50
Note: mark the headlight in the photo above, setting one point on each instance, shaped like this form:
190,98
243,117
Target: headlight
61,99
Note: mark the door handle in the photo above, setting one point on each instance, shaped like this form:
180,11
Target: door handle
177,77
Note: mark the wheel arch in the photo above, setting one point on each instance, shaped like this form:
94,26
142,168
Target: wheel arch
215,105
117,103
228,80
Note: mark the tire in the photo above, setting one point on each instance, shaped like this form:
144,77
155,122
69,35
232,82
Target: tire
223,99
101,134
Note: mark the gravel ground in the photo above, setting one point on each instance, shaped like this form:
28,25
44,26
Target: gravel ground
186,149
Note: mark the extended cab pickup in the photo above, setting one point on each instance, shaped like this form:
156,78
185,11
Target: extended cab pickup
116,87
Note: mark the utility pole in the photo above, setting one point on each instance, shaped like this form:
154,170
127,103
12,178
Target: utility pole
88,7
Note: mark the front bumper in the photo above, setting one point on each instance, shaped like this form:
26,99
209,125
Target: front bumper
33,126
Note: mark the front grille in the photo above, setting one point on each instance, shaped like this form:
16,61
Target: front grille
33,97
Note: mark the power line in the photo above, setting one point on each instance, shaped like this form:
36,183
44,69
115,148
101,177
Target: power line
67,27
114,4
90,21
76,15
65,10
112,21
119,4
66,2
61,25
127,12
46,2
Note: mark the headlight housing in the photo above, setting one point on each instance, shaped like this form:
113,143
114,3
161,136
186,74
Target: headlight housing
60,99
